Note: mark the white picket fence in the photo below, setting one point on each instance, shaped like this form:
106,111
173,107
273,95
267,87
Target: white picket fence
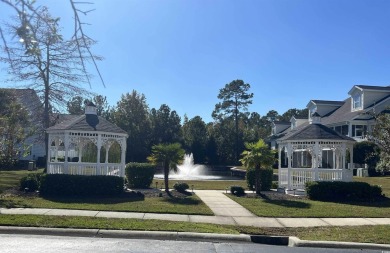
87,169
299,176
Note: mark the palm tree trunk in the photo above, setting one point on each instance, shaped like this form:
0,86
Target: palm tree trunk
258,180
166,175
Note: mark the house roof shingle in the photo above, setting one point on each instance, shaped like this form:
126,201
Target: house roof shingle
87,123
314,132
327,102
370,87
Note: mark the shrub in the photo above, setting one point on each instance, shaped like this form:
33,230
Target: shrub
342,191
76,185
237,190
266,176
139,175
275,184
180,187
30,183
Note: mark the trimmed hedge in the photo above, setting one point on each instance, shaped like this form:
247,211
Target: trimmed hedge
30,183
266,176
76,185
139,175
180,187
237,190
343,191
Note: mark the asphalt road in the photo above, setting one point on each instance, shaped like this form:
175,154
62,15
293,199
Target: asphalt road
41,244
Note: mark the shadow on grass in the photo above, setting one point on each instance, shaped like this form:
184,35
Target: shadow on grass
123,198
286,202
289,203
378,203
182,201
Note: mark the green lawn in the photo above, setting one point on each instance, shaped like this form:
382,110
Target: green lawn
384,182
203,185
366,234
188,205
10,179
310,208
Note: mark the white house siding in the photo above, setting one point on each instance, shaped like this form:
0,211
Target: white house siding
370,97
37,148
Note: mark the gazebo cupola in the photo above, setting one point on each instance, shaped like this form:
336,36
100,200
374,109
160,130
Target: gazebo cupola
86,145
313,152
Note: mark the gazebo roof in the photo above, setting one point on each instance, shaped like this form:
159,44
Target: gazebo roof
87,123
315,132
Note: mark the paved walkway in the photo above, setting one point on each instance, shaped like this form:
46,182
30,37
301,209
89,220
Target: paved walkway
227,212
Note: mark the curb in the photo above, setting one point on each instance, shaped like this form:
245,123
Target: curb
126,234
187,236
296,242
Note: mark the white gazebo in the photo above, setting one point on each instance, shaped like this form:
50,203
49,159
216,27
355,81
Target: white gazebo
314,153
86,145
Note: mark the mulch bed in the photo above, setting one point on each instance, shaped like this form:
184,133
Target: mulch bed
136,193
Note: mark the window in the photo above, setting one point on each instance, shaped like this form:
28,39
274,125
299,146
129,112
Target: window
312,110
357,101
359,131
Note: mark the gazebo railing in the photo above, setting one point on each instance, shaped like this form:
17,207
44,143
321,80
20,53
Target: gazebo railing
87,169
299,176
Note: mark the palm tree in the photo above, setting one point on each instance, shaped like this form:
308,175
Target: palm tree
170,155
259,156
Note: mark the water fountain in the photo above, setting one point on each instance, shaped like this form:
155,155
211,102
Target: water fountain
190,171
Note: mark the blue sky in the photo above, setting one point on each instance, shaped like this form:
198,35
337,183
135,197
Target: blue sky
181,52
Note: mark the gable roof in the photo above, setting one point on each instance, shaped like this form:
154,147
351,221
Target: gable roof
87,122
315,132
369,87
327,102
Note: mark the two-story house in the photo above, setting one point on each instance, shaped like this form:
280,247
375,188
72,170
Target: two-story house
352,117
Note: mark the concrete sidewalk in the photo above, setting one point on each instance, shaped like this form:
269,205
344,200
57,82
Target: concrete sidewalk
223,220
222,205
226,211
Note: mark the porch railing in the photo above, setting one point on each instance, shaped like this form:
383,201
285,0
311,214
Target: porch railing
87,169
299,176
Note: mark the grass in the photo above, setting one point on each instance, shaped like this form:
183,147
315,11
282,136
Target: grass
384,182
310,208
188,205
366,234
204,185
10,179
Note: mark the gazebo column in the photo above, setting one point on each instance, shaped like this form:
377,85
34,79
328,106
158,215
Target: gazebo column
99,146
316,160
123,157
289,161
280,148
66,146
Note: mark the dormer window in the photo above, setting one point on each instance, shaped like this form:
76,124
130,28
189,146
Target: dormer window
357,102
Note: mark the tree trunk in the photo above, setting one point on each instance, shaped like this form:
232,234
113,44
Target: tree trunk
257,180
166,176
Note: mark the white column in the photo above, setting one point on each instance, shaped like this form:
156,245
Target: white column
66,146
123,157
48,156
317,160
350,129
99,146
289,154
280,164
